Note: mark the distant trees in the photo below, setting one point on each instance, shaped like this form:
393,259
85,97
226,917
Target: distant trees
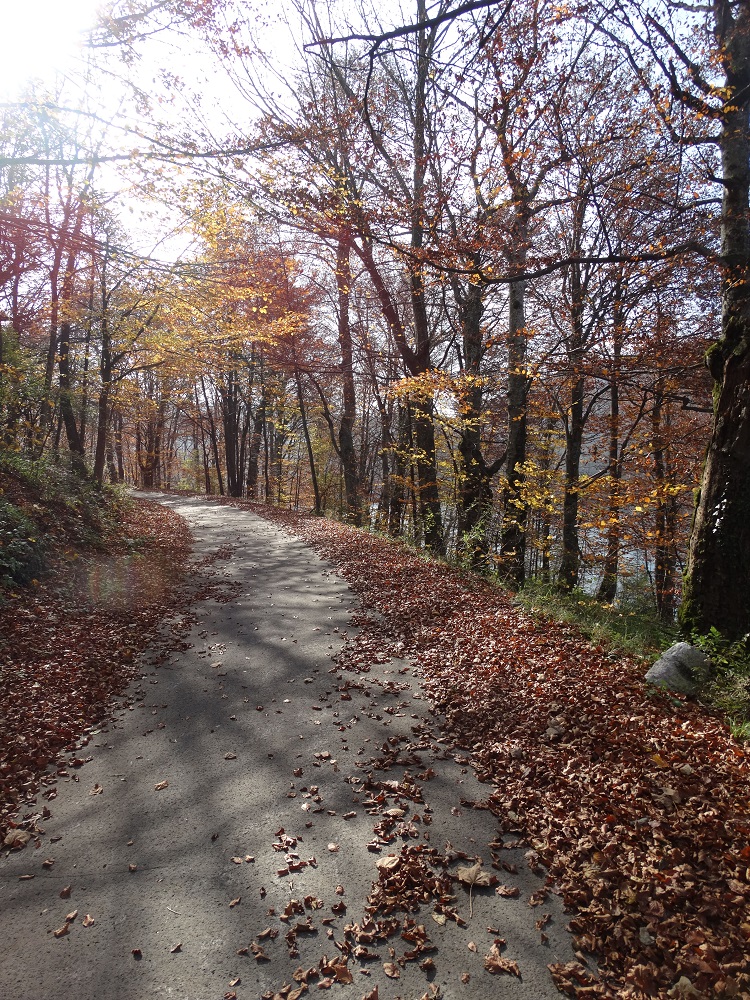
454,283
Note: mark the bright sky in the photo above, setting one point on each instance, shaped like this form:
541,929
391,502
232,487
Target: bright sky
40,36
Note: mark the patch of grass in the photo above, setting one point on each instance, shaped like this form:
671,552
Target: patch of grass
628,626
728,689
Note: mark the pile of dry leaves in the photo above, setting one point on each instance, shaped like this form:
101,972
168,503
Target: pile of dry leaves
635,802
70,644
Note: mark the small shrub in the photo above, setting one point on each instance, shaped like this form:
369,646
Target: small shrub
728,689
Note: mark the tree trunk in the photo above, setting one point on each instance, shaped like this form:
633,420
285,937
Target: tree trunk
254,451
474,475
666,518
67,411
349,411
571,553
213,438
308,444
716,590
608,586
513,542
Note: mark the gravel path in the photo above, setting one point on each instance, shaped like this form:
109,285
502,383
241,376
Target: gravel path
248,755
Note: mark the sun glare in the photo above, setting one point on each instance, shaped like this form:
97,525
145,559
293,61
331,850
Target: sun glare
40,37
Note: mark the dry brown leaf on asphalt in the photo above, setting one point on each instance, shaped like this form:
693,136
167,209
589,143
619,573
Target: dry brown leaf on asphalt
16,839
66,891
508,891
342,973
494,962
175,948
62,931
473,875
235,902
391,970
70,917
388,862
258,953
88,920
161,786
230,756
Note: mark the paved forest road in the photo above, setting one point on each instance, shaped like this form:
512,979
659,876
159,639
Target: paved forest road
259,742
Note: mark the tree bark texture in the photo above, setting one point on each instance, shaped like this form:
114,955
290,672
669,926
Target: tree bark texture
716,590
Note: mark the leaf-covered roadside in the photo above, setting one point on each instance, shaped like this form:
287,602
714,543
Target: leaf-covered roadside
68,646
635,802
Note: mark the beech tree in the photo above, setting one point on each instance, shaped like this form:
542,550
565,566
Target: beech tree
694,62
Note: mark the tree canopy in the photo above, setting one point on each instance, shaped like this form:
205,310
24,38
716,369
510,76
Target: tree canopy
448,271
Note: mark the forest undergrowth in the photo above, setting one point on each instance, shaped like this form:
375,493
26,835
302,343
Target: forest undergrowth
633,801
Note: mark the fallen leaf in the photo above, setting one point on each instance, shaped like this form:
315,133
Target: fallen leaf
508,891
235,982
16,839
495,963
388,862
333,848
235,902
230,756
62,931
175,948
96,790
473,875
136,953
391,970
683,989
88,920
66,891
161,786
71,916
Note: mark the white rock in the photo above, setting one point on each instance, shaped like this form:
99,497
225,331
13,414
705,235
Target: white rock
679,668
